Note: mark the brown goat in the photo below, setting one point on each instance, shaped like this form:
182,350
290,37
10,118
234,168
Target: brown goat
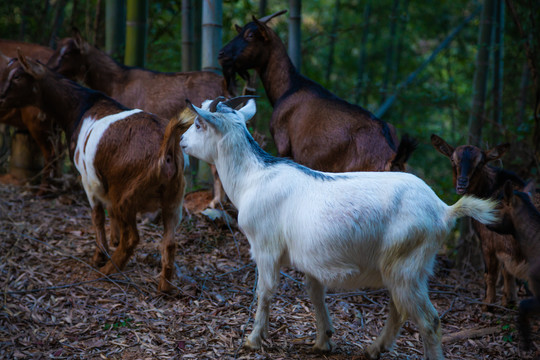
160,93
520,218
310,124
39,125
130,161
473,176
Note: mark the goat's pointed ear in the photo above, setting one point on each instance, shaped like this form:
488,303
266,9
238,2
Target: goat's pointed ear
33,68
496,152
441,146
530,187
508,191
205,115
249,110
238,28
262,28
79,41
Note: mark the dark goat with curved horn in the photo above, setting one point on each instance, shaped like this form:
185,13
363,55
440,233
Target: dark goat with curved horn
310,124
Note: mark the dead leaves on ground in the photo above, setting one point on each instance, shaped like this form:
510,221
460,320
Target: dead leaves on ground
55,305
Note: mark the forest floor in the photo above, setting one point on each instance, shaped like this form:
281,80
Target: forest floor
55,305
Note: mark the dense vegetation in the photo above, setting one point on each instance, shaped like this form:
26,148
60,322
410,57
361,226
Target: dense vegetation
361,50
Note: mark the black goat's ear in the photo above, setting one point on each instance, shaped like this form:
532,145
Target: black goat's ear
262,28
508,191
238,28
496,152
441,146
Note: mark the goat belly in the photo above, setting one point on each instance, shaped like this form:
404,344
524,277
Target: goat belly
90,135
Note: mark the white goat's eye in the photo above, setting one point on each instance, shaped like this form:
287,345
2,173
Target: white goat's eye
197,125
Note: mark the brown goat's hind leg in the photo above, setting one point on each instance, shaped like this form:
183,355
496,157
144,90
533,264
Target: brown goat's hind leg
129,238
102,249
510,291
168,249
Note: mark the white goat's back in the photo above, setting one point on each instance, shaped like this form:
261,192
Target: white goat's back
345,229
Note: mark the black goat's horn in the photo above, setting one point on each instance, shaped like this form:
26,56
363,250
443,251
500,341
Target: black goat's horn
213,105
234,102
267,18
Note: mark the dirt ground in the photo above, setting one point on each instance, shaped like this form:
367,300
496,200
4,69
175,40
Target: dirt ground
55,305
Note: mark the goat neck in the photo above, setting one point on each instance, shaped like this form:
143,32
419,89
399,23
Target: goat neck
237,164
278,73
103,72
67,102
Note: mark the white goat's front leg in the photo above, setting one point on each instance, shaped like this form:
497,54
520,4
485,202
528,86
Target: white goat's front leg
324,324
267,282
389,333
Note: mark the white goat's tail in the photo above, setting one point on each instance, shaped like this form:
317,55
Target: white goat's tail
482,210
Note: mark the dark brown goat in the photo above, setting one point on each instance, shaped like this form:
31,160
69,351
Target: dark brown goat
310,124
473,176
130,161
39,125
160,93
520,218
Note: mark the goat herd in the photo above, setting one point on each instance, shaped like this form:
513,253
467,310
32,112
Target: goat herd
348,217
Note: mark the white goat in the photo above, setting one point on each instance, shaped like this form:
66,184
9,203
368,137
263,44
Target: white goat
348,230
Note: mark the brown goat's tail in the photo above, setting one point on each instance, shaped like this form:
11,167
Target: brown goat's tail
170,154
405,148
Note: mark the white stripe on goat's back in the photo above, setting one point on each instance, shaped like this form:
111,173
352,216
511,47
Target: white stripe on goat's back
90,135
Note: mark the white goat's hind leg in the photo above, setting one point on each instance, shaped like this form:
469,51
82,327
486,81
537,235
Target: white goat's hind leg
389,333
267,282
413,300
324,324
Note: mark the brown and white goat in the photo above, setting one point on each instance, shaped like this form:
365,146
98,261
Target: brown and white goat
310,124
519,217
130,161
39,125
473,176
163,94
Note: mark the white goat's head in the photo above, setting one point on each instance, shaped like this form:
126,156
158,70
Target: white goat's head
214,120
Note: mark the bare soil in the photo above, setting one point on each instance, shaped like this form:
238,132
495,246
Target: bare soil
55,305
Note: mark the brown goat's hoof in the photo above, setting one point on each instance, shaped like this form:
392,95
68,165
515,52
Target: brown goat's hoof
108,268
165,287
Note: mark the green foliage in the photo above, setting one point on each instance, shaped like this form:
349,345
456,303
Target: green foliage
438,101
127,322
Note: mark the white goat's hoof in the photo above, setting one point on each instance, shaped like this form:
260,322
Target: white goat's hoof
325,347
373,352
253,344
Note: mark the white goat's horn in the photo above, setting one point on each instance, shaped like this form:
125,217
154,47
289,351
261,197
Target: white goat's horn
213,105
267,18
234,102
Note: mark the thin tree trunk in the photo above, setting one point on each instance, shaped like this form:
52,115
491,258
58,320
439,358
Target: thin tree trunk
498,66
476,117
74,10
136,32
390,50
523,94
295,20
211,34
360,84
115,27
403,20
333,39
97,19
188,30
58,19
197,34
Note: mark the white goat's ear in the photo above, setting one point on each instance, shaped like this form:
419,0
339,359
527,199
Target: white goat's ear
205,115
249,110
